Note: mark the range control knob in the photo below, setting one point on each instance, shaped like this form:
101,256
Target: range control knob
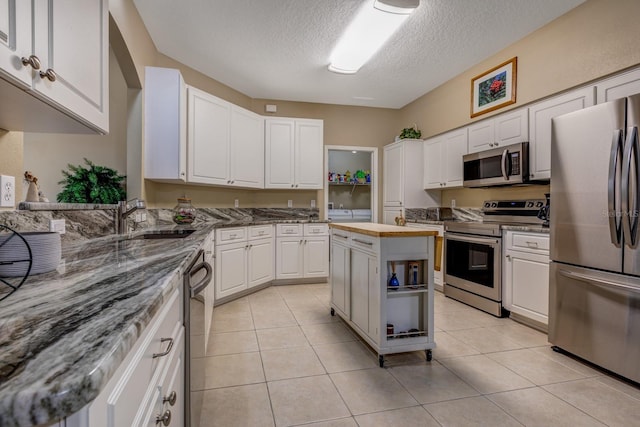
494,205
529,204
539,205
487,204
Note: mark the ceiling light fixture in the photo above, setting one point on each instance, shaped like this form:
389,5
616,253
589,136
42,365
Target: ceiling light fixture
372,27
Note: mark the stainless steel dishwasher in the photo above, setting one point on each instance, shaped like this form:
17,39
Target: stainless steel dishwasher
201,271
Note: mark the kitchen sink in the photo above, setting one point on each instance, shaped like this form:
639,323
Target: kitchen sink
163,234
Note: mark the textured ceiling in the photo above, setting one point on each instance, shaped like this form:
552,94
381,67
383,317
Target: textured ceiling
279,49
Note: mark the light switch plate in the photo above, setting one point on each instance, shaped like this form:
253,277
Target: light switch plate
313,203
57,225
289,203
7,191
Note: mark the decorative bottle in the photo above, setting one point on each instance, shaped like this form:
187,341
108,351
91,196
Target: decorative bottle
184,212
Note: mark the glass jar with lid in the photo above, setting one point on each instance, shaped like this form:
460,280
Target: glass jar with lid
184,212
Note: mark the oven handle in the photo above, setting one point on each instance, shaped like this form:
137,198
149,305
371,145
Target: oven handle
503,164
198,287
481,240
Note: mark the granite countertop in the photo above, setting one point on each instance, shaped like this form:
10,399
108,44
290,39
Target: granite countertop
382,230
63,334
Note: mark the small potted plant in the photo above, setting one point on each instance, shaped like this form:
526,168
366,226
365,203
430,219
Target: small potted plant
411,133
93,184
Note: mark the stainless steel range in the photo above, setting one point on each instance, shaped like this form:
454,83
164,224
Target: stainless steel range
473,252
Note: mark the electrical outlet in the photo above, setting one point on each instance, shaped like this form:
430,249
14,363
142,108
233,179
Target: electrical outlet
289,203
236,203
313,203
140,216
453,203
7,191
57,225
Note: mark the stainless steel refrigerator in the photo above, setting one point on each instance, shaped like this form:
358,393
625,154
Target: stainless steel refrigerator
594,295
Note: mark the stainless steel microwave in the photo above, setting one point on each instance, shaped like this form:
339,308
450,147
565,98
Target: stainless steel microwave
507,165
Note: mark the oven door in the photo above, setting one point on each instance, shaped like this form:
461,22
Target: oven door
473,263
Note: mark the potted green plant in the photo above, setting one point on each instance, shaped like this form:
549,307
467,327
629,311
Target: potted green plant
411,133
93,184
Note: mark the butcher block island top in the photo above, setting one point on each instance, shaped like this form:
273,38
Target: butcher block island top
381,230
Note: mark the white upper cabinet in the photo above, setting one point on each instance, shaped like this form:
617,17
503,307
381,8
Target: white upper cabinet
402,177
15,40
619,86
59,53
540,116
225,142
165,125
208,138
247,148
504,129
294,153
443,160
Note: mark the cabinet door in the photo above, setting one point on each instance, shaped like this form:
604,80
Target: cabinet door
339,278
393,175
15,40
389,215
433,167
527,277
231,271
373,278
360,289
289,261
480,136
316,256
454,147
247,148
279,153
511,128
619,87
260,262
72,39
309,142
540,116
208,138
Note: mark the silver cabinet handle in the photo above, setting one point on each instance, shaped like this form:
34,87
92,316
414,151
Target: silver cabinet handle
164,419
495,144
49,75
363,242
491,144
532,244
32,60
292,185
508,257
168,349
171,398
341,236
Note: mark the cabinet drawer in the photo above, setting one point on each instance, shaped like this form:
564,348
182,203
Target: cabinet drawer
529,241
142,373
289,229
316,230
260,231
364,242
227,235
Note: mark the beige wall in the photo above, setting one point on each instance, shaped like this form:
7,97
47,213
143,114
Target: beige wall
47,154
11,159
593,40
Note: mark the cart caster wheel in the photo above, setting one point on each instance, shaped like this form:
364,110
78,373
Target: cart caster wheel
429,354
333,312
381,360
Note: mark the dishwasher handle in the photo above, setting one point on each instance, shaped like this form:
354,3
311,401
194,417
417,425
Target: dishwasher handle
199,287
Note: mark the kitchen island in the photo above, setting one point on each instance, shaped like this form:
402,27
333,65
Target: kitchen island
392,316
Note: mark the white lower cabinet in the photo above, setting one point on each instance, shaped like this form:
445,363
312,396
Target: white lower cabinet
150,381
302,251
244,259
526,277
340,273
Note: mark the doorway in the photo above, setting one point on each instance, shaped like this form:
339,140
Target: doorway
352,182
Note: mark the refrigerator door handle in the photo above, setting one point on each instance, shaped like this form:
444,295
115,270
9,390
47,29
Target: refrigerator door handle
629,201
598,282
503,164
615,221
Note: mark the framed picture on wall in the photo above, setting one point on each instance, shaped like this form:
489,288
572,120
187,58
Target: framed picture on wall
494,88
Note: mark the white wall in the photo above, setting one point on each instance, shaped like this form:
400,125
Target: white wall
46,154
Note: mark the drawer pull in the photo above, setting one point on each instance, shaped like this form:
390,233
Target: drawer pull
363,242
341,236
164,419
165,353
532,244
171,399
233,236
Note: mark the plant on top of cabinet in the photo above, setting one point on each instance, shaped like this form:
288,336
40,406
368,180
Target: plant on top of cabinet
411,133
95,184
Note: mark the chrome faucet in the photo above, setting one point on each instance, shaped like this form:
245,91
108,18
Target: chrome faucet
124,210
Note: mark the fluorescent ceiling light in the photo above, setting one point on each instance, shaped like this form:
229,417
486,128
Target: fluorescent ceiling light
374,24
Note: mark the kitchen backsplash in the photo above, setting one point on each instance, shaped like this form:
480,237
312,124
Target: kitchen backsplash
464,214
91,223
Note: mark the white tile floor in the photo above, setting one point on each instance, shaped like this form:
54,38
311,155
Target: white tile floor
277,358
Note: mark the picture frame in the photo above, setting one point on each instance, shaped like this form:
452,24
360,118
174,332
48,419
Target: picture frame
494,88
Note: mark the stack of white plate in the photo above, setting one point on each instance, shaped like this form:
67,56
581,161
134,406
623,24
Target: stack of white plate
45,252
